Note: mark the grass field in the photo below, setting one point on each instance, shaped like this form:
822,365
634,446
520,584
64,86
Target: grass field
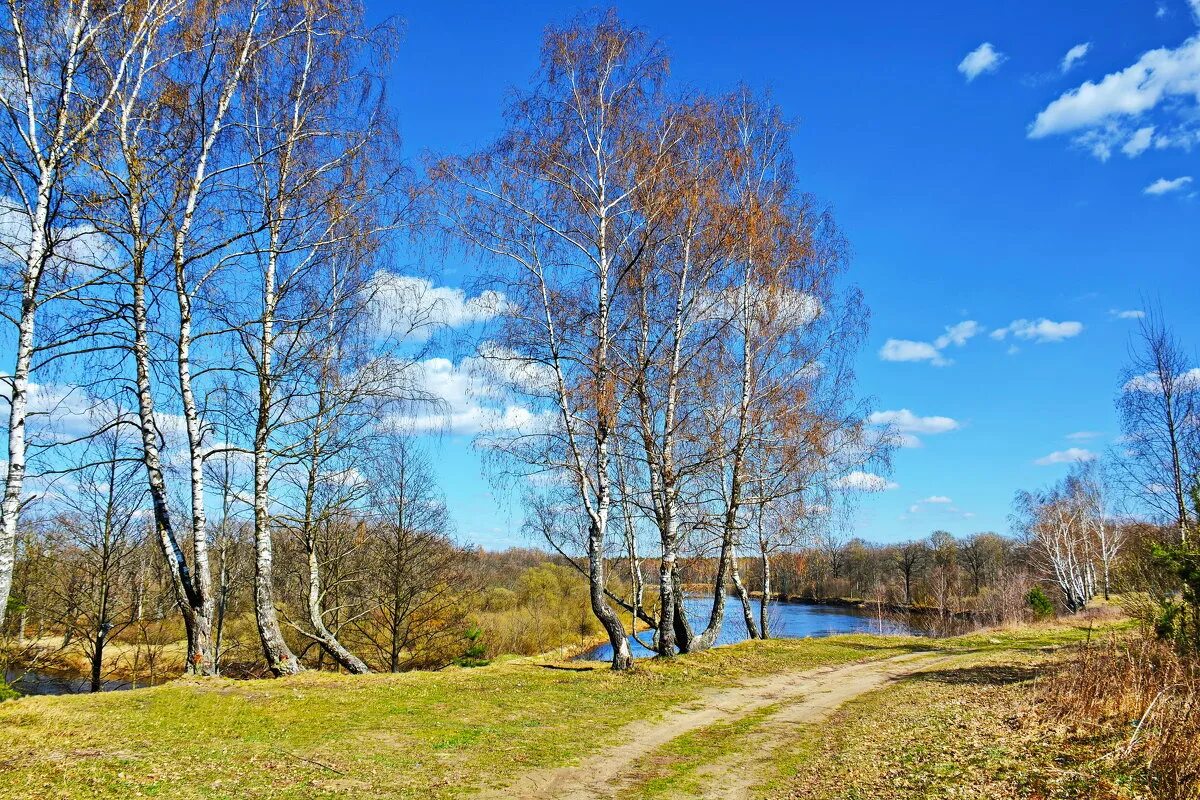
442,734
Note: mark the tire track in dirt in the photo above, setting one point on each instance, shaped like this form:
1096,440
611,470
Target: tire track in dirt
733,777
808,696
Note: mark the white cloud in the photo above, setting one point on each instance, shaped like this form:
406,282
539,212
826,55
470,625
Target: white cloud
902,426
957,334
1164,186
796,307
1117,313
1152,384
1074,56
939,503
1082,436
1040,330
909,350
412,308
470,398
1069,456
984,58
860,481
908,422
1106,113
80,252
1139,142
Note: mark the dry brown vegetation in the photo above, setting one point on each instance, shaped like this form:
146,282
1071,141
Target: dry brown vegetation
1140,700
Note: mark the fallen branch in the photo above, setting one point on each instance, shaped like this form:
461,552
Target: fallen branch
299,757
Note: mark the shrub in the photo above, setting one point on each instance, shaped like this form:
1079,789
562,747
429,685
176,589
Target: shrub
547,609
1179,618
474,655
1039,603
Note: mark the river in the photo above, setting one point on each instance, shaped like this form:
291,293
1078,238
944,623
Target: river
29,682
788,621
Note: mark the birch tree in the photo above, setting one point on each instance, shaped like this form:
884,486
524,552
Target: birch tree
553,201
1107,534
316,132
62,67
164,206
780,401
351,389
672,295
1054,522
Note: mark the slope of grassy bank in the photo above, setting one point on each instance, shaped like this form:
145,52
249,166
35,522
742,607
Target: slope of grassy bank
412,735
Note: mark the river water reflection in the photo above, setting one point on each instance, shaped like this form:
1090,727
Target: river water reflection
788,621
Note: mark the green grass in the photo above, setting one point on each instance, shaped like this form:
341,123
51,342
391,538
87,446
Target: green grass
411,735
435,735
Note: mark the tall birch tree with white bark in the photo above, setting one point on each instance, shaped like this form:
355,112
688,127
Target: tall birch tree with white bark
554,202
62,66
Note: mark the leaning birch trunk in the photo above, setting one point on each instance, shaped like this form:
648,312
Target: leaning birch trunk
597,583
561,197
708,637
18,409
316,615
192,588
192,594
200,597
325,637
744,597
36,256
47,162
733,501
202,578
597,508
622,658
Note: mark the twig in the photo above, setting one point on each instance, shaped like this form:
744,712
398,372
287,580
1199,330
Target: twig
1138,729
299,757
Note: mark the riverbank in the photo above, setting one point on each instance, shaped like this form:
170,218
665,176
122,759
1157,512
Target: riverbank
126,663
875,606
417,734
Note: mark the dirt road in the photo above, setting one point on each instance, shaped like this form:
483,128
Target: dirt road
793,697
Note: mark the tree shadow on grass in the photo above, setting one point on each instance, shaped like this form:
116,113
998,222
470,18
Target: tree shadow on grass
568,668
869,647
989,675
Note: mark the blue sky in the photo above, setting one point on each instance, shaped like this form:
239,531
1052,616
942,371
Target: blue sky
958,207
